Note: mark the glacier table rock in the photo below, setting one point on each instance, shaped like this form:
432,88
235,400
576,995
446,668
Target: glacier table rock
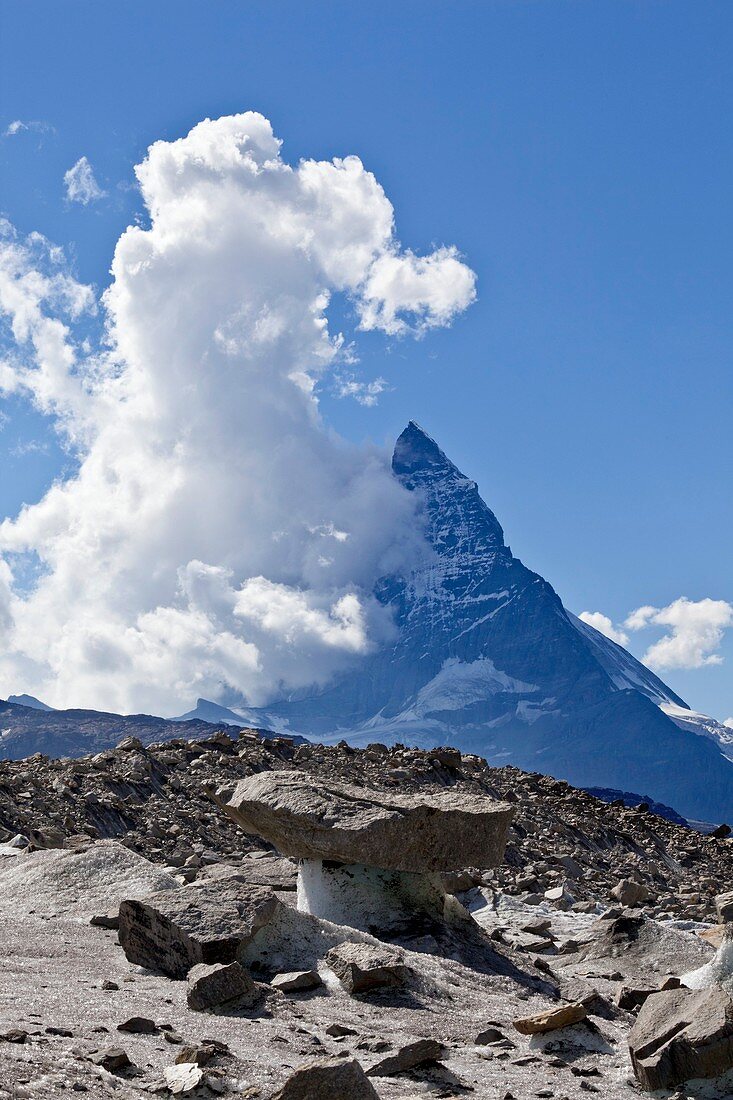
370,859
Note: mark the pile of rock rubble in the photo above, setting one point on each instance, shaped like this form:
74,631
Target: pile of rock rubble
243,916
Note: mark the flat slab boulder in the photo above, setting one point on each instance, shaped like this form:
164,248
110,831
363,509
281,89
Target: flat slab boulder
552,1020
213,922
315,819
328,1079
682,1034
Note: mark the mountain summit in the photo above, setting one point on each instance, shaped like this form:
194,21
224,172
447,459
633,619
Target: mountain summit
488,658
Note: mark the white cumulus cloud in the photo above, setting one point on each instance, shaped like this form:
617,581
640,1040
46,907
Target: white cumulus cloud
604,625
216,538
695,630
81,185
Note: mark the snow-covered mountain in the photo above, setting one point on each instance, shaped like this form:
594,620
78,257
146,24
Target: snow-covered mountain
488,658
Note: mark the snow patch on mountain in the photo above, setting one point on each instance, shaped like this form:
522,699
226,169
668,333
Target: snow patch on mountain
703,725
459,684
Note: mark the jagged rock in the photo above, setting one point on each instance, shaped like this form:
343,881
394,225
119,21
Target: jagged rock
110,1058
679,1035
724,907
183,1078
489,1035
328,1079
218,985
340,1031
408,1057
554,1018
361,968
296,981
199,1055
329,820
171,931
630,893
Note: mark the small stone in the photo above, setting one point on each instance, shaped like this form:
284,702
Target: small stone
106,920
182,1079
14,1035
110,986
211,987
630,893
139,1025
296,981
362,968
554,1018
408,1057
199,1054
110,1058
724,907
339,1031
489,1035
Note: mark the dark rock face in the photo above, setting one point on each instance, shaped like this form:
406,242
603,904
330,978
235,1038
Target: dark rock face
680,1035
487,658
218,985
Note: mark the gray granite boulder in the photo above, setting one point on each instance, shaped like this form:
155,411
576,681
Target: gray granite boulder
682,1034
220,985
328,1079
173,930
361,968
321,819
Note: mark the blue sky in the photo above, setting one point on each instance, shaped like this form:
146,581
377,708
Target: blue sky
579,156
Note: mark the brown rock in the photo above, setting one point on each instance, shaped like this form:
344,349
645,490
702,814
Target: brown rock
408,1057
296,981
554,1018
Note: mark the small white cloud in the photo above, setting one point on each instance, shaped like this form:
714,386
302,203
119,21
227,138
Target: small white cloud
29,447
81,186
695,632
18,126
604,625
429,290
365,393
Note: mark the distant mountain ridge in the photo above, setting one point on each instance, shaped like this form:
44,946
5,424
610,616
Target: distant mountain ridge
488,658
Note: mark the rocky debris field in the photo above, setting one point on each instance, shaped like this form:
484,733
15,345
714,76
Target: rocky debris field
149,945
155,801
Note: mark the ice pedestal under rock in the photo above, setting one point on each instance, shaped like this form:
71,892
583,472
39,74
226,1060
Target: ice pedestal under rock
368,897
718,972
369,858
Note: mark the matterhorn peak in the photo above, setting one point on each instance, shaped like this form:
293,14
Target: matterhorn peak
416,454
